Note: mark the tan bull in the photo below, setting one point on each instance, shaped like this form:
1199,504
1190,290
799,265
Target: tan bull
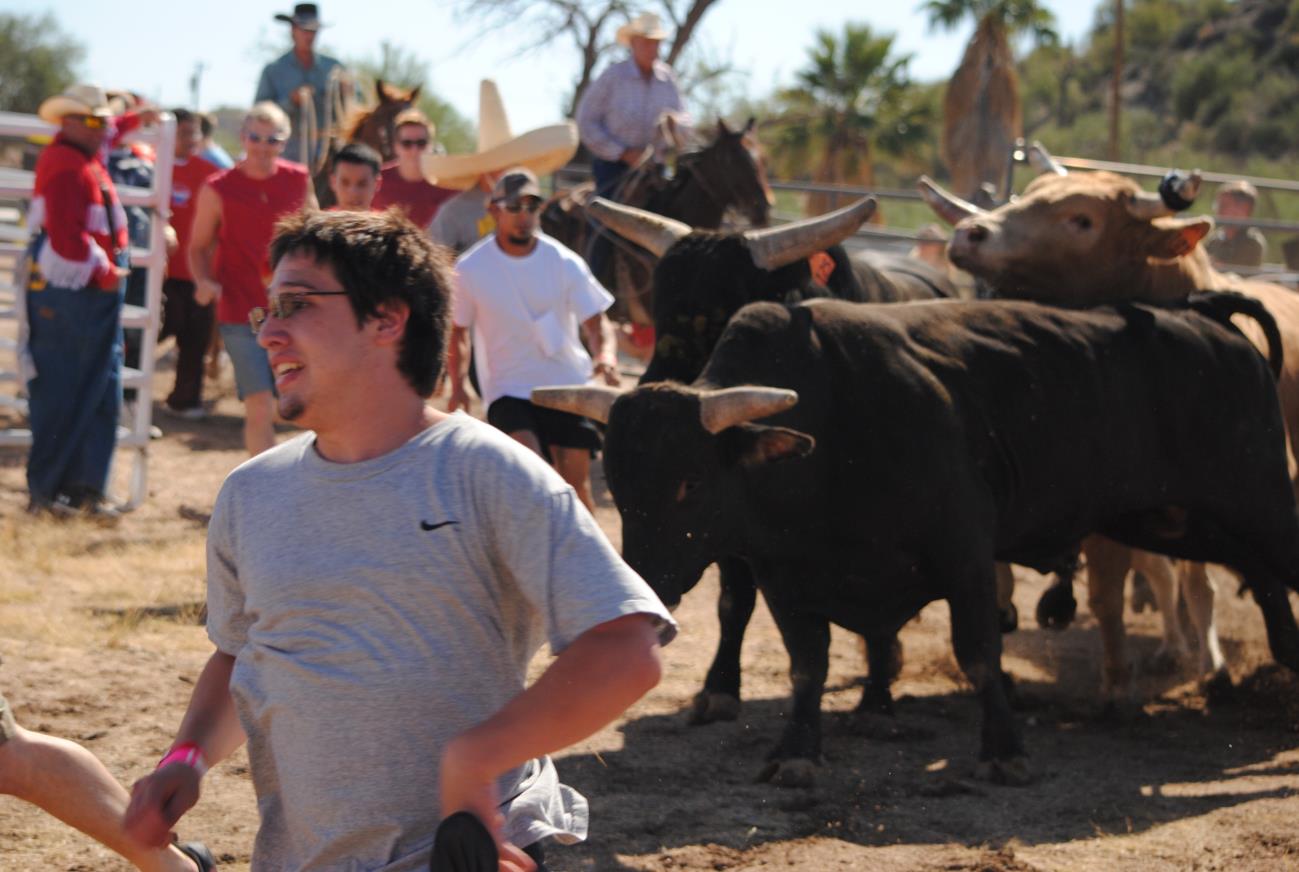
1093,238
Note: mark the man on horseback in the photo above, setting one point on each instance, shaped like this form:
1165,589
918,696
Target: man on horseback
619,112
299,82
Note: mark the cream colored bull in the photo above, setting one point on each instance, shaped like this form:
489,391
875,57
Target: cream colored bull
1093,238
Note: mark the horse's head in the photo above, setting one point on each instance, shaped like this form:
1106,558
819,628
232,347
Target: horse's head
375,126
732,169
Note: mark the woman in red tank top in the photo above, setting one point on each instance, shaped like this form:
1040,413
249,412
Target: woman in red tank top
229,243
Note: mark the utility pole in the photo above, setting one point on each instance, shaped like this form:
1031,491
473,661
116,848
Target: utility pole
1115,103
194,81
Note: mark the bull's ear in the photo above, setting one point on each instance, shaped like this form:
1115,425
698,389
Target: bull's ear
758,444
1177,237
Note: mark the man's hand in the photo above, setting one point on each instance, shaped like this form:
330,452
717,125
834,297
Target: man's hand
158,801
205,291
460,398
301,94
464,789
609,372
632,156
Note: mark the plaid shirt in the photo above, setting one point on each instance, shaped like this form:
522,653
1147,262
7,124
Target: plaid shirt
619,109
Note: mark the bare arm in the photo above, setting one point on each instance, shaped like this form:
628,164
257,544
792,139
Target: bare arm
158,800
594,680
202,245
458,368
603,344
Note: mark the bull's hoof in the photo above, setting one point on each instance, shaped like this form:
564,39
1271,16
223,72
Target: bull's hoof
1165,661
875,699
1008,619
1219,688
794,772
1012,772
710,707
1057,607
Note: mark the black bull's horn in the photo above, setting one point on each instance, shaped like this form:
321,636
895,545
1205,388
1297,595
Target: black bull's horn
718,409
649,230
947,205
774,247
1177,191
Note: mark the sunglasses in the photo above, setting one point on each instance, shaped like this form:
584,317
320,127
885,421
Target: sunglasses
92,122
257,138
283,306
531,206
413,143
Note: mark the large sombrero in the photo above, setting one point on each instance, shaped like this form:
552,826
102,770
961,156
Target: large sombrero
76,100
543,150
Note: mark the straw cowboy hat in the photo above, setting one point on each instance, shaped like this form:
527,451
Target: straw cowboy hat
647,25
305,16
76,100
543,150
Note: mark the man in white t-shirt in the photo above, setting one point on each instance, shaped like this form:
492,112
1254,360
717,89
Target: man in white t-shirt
524,296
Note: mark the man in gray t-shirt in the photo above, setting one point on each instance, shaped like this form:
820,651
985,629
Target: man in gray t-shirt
377,587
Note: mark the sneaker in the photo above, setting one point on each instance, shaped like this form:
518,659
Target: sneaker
193,413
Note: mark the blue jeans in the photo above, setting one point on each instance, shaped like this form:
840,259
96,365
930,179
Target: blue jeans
608,175
74,401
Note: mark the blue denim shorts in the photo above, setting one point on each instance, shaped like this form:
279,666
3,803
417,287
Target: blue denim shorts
252,368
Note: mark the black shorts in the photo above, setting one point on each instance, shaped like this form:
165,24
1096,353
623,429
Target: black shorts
552,427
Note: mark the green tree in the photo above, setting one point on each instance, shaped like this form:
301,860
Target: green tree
36,60
405,69
854,98
981,112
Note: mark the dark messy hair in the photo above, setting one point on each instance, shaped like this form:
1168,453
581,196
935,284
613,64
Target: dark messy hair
378,258
357,153
182,115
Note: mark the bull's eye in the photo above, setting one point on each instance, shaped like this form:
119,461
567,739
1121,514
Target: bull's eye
1081,222
685,489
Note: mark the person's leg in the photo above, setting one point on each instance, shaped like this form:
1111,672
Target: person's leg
191,324
529,440
259,422
100,392
255,386
574,467
67,781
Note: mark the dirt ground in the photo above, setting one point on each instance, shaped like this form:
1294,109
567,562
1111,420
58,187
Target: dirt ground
101,638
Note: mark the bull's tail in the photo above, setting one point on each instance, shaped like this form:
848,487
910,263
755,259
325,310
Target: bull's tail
1221,305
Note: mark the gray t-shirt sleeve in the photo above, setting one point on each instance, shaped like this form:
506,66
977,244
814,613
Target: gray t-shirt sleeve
565,567
227,622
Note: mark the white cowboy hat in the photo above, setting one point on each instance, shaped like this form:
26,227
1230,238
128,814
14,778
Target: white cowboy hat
76,100
543,150
647,25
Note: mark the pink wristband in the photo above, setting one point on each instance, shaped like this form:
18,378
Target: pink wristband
188,753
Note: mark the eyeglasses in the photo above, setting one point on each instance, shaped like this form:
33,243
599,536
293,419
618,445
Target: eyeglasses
516,207
257,138
283,306
91,122
413,143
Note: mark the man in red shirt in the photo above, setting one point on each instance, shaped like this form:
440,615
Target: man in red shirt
403,181
229,254
182,317
77,263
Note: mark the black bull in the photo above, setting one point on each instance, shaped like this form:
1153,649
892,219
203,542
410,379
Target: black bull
699,283
929,440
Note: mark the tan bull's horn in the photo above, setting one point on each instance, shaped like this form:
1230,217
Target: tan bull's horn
1041,160
775,247
945,204
589,401
649,230
730,406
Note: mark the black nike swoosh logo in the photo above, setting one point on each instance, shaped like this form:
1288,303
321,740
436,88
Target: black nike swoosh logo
425,525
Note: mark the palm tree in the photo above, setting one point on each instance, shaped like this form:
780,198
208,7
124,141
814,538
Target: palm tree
853,97
981,112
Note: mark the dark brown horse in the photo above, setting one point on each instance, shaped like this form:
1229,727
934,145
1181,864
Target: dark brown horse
726,174
372,125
